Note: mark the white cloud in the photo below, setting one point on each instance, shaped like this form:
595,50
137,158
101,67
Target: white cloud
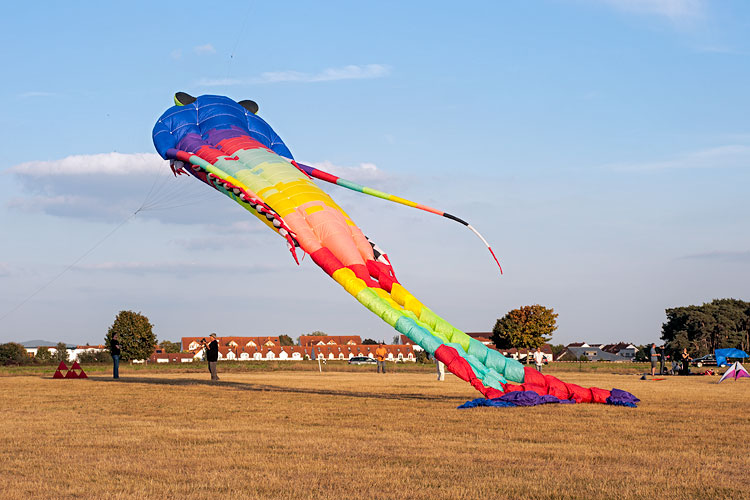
176,268
99,164
111,186
728,256
350,72
108,186
674,10
729,156
204,49
364,172
176,54
4,269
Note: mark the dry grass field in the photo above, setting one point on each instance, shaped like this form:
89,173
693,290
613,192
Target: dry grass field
349,435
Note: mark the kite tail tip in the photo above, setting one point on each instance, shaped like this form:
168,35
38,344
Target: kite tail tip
496,261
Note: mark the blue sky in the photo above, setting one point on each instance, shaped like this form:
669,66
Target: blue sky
601,146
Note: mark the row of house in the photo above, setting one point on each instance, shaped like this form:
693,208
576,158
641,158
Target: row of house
235,348
73,350
345,347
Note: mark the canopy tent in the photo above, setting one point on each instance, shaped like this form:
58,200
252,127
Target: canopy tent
735,371
723,354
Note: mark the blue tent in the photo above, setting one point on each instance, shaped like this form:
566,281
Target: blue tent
723,354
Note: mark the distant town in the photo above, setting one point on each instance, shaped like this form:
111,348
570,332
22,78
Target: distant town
341,347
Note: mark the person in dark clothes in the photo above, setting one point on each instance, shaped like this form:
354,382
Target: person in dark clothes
212,355
114,350
685,360
662,360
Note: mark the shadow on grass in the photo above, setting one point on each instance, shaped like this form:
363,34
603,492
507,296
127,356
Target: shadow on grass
244,386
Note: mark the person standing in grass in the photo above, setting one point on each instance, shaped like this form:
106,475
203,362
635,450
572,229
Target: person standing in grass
662,359
440,369
212,356
380,353
685,360
654,356
538,359
114,349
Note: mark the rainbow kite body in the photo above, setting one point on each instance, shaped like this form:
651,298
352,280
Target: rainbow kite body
227,146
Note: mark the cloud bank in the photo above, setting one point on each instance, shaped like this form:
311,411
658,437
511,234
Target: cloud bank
177,268
719,255
673,10
350,72
112,186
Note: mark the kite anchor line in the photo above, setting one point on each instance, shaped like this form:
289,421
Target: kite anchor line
79,259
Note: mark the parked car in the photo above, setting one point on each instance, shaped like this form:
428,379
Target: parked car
708,359
362,360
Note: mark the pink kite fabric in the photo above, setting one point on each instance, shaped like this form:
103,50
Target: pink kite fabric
735,371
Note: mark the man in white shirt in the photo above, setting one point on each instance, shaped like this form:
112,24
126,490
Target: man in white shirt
538,359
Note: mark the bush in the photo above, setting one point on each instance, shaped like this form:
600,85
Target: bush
61,353
95,357
43,355
422,357
13,354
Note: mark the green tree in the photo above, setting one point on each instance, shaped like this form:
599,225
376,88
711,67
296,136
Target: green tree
642,353
43,355
134,331
285,340
169,346
713,325
318,333
527,327
370,342
61,353
13,353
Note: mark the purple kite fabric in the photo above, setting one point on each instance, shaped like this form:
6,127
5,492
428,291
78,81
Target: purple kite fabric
516,398
619,397
530,398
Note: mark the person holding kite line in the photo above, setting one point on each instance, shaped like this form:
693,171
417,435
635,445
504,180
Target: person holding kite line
212,356
114,349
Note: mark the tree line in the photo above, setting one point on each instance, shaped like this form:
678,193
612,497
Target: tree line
701,329
718,324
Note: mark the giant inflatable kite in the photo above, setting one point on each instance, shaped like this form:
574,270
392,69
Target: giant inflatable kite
226,145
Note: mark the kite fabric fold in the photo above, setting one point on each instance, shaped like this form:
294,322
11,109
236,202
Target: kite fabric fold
225,145
531,398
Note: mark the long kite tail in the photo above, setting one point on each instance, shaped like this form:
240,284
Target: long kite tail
333,179
485,369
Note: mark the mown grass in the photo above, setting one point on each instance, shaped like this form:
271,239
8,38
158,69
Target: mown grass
333,435
307,366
